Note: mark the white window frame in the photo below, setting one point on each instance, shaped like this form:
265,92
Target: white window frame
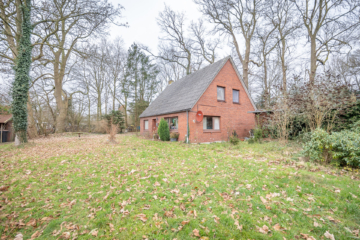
217,93
238,99
215,123
146,125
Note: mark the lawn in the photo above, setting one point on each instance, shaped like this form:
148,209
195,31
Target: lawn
67,188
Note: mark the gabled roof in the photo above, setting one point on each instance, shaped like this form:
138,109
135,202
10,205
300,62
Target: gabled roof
183,94
5,118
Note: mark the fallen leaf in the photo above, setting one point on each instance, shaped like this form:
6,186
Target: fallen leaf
65,235
3,189
185,222
264,229
19,236
263,200
196,233
142,217
277,227
329,235
238,226
32,222
94,232
35,235
307,237
47,219
111,227
216,219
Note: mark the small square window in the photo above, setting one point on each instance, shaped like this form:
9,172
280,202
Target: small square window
173,123
236,96
146,125
211,123
220,93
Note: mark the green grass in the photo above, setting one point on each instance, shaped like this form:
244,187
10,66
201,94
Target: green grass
168,183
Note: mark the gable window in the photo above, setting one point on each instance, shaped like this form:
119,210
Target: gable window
211,123
173,123
221,93
236,96
146,125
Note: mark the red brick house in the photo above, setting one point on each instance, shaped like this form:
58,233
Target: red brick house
217,91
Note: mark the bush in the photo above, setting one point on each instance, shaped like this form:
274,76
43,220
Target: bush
318,148
346,148
258,135
251,141
174,135
163,130
234,140
343,147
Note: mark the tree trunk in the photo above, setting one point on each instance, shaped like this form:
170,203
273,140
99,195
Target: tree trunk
283,65
313,59
20,88
61,105
267,87
32,130
89,108
246,64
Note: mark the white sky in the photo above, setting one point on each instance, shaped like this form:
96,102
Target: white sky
141,16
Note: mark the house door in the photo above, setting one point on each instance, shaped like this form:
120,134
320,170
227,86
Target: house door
154,128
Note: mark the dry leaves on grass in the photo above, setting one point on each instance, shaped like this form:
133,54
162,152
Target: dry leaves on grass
264,229
329,235
19,236
307,236
196,233
238,226
142,217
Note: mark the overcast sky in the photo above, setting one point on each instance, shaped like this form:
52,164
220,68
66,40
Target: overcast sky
141,15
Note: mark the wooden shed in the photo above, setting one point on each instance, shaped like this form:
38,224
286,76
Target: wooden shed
6,129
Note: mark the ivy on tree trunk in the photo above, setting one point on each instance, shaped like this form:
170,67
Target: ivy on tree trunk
20,86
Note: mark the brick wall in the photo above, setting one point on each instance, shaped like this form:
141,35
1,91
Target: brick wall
232,116
182,128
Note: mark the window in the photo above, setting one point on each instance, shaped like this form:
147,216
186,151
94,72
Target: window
211,123
236,96
220,93
173,123
146,125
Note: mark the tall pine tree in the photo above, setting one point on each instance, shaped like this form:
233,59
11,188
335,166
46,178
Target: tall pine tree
20,86
141,74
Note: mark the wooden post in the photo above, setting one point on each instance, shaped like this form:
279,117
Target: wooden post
1,134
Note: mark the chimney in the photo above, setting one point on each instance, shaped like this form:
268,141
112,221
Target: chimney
170,82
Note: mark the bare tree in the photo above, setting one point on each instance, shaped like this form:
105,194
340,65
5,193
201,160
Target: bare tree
281,14
205,45
330,25
80,19
231,17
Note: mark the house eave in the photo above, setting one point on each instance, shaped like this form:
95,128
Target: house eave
160,114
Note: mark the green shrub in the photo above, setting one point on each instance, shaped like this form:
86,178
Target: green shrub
342,148
318,147
251,141
258,135
163,130
234,140
346,148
